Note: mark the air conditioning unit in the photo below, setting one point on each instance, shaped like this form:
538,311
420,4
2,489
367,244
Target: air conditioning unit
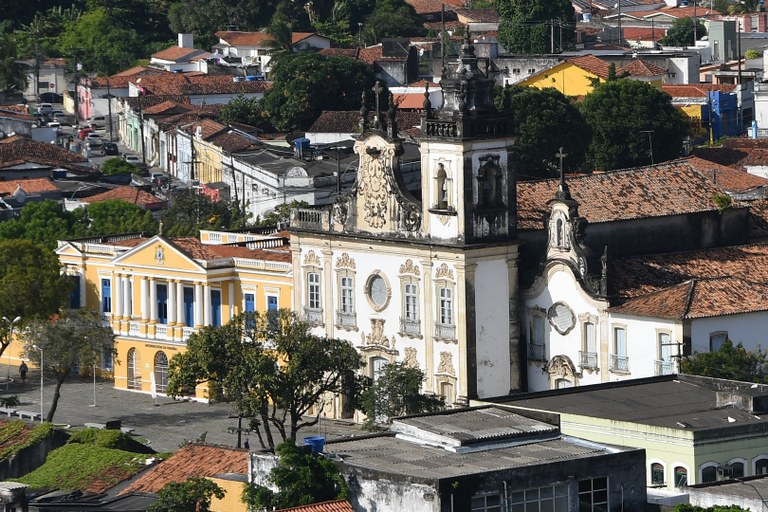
725,471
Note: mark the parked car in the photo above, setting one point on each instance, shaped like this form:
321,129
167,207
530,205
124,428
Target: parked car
94,139
84,132
97,122
54,124
135,160
110,148
45,108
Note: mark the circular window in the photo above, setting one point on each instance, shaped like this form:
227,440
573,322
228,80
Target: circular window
378,292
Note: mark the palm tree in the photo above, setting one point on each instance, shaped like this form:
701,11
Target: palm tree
13,74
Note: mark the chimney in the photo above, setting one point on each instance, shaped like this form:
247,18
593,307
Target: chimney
186,41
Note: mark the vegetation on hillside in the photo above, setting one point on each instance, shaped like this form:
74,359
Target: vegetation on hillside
15,435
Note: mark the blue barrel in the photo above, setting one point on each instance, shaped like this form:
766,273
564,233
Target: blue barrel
316,442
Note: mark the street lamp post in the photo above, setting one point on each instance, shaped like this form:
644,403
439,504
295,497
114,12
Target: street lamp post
94,385
11,323
759,494
42,366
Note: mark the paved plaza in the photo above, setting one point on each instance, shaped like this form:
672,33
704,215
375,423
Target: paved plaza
165,423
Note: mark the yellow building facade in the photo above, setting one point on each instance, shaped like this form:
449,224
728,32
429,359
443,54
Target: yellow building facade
155,292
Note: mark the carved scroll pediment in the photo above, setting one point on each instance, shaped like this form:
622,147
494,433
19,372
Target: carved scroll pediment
409,268
443,272
446,364
312,259
345,261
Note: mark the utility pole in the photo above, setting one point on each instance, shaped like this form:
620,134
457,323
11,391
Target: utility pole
551,36
621,39
76,99
695,35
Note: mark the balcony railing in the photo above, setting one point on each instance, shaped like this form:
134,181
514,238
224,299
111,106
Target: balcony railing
410,327
587,359
344,319
619,363
536,352
313,316
161,331
664,367
445,331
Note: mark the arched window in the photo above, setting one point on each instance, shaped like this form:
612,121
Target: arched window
761,466
737,469
709,474
134,370
681,476
161,372
657,474
376,366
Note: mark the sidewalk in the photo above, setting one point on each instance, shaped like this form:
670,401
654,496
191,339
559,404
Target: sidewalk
164,422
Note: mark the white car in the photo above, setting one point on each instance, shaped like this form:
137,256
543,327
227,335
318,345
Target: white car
131,159
94,139
54,124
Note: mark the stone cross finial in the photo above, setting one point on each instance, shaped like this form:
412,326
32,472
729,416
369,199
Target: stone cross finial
562,193
377,93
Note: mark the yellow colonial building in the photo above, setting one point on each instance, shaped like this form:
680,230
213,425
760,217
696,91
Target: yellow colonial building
155,292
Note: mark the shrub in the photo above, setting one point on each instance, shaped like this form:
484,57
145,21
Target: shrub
113,166
115,439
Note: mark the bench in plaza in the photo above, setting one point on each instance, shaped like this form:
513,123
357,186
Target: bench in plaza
8,410
28,414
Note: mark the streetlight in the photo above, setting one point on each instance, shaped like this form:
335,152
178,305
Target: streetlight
10,339
762,500
41,380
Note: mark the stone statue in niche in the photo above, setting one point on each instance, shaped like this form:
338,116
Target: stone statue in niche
442,187
490,183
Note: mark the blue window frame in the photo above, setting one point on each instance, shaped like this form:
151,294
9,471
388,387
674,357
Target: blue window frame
106,296
189,307
271,303
250,303
162,303
215,308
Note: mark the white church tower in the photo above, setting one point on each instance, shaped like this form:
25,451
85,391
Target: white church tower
431,282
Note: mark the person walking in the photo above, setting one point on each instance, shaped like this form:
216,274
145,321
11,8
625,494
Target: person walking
23,369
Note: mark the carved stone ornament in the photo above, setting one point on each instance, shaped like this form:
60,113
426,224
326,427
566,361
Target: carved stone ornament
312,259
344,261
377,336
443,272
446,364
561,317
410,358
340,212
409,268
561,367
373,185
160,255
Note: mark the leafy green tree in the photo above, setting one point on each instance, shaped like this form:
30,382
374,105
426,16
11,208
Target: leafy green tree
192,495
729,362
685,507
281,213
270,366
620,114
545,121
113,217
243,110
73,338
114,166
396,392
42,222
189,212
13,75
204,17
306,83
301,477
525,25
681,33
392,18
100,43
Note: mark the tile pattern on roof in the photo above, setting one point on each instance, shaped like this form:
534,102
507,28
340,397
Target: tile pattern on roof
179,54
669,188
191,460
695,90
434,6
193,248
347,121
30,186
179,84
640,68
326,506
241,38
19,148
128,194
727,178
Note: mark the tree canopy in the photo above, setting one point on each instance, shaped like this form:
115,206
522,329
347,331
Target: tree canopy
396,392
242,110
73,338
681,33
526,25
189,212
13,75
194,494
301,478
729,362
685,507
621,114
270,366
545,120
392,18
306,83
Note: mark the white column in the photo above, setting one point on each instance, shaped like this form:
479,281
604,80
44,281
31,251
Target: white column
180,303
171,303
152,301
198,305
144,300
117,300
206,305
126,297
231,300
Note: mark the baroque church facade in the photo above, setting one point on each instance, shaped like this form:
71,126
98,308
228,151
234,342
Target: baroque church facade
430,281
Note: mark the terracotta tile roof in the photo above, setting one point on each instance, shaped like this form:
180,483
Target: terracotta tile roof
758,219
477,15
641,68
344,52
131,195
198,251
347,121
30,186
669,188
591,64
326,506
744,142
680,12
238,38
121,80
168,107
208,127
410,101
234,142
150,101
177,54
192,460
695,90
183,85
638,276
643,34
186,118
297,37
19,148
14,114
19,109
727,178
434,6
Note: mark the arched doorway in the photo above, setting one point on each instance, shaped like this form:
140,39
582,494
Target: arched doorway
161,372
134,370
